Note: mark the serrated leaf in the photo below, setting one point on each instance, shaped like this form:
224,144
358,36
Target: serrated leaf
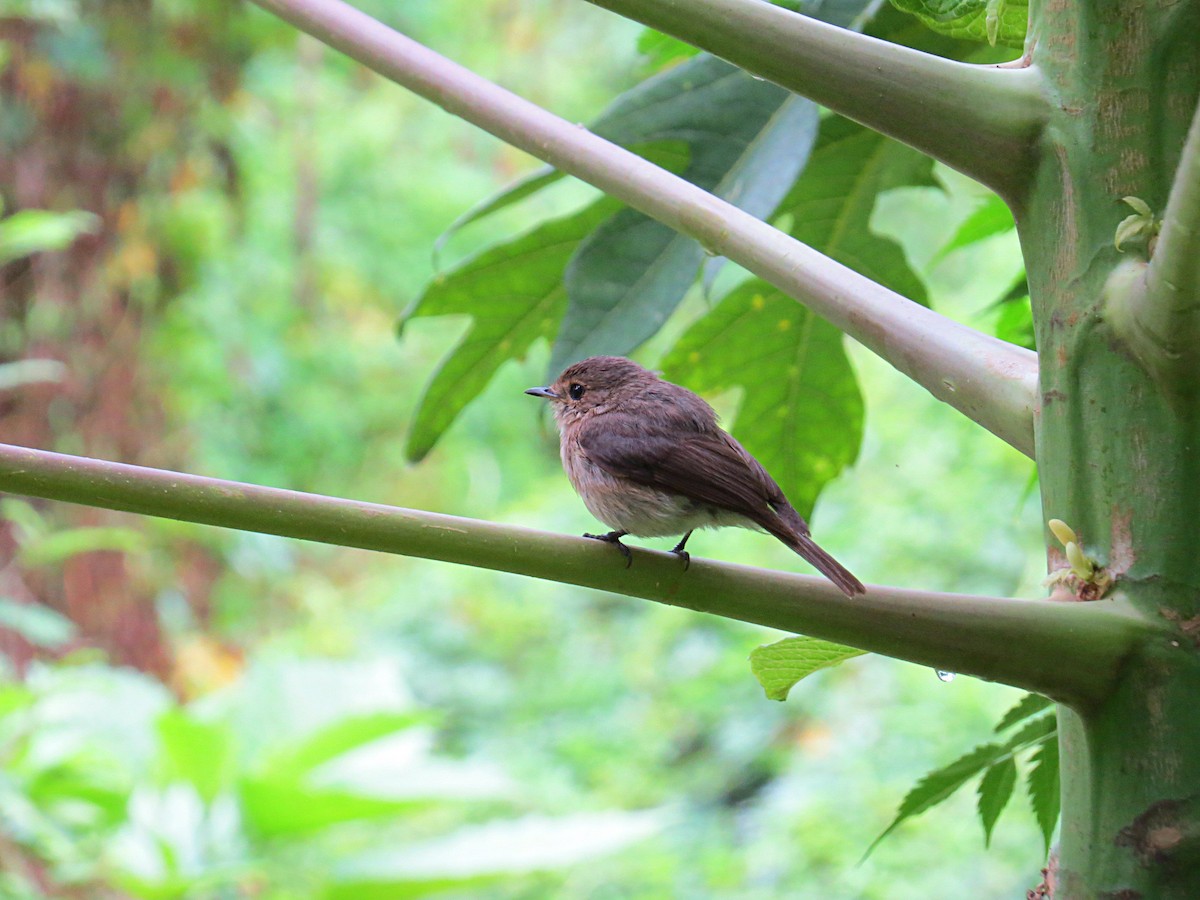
515,295
779,666
1034,731
801,412
995,790
830,207
991,217
992,21
1044,788
1027,706
748,141
940,784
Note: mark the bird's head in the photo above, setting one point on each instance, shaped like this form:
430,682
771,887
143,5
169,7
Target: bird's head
595,385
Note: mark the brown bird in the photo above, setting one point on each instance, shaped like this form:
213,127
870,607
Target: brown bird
649,459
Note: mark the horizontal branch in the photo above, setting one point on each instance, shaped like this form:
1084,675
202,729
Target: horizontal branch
1070,652
985,121
992,382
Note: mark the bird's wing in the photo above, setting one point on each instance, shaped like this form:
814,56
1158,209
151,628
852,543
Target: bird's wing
708,466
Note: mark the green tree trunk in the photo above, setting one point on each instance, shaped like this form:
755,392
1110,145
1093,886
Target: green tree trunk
1117,431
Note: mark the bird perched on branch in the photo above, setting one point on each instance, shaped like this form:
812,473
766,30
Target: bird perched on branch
649,460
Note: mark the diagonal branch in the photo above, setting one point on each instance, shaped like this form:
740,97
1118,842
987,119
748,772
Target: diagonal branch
992,382
1156,307
985,121
1070,652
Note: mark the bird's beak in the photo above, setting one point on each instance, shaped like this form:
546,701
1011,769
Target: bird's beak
543,392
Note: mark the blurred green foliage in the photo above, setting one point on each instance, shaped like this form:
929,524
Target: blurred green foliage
336,724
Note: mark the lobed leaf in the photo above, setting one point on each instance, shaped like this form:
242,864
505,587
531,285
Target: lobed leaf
994,21
941,784
990,218
801,412
514,294
830,207
748,141
779,666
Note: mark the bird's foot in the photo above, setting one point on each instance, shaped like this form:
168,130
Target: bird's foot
614,537
681,553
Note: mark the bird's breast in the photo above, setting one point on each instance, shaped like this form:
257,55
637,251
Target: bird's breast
640,510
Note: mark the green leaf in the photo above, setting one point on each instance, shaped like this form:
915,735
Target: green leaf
285,807
994,21
40,625
801,412
35,230
671,155
1014,319
1034,732
199,753
1044,788
941,784
748,141
995,790
779,666
341,737
662,50
1027,706
830,207
31,523
60,545
991,217
515,295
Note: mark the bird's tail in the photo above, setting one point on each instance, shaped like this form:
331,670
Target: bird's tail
824,563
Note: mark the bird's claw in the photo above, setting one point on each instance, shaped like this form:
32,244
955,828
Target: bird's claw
685,556
614,537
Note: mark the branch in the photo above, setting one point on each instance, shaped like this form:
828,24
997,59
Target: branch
1070,652
992,382
985,121
1155,307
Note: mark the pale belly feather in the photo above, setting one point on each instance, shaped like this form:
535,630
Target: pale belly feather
640,510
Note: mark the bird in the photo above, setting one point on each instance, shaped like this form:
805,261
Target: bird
649,459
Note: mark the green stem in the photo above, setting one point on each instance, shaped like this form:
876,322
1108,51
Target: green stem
1166,308
985,121
1071,652
991,381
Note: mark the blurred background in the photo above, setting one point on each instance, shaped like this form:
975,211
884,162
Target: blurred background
211,228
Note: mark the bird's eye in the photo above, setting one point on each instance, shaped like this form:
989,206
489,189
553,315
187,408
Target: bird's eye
575,391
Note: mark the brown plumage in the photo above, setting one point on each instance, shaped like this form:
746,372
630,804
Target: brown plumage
649,459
